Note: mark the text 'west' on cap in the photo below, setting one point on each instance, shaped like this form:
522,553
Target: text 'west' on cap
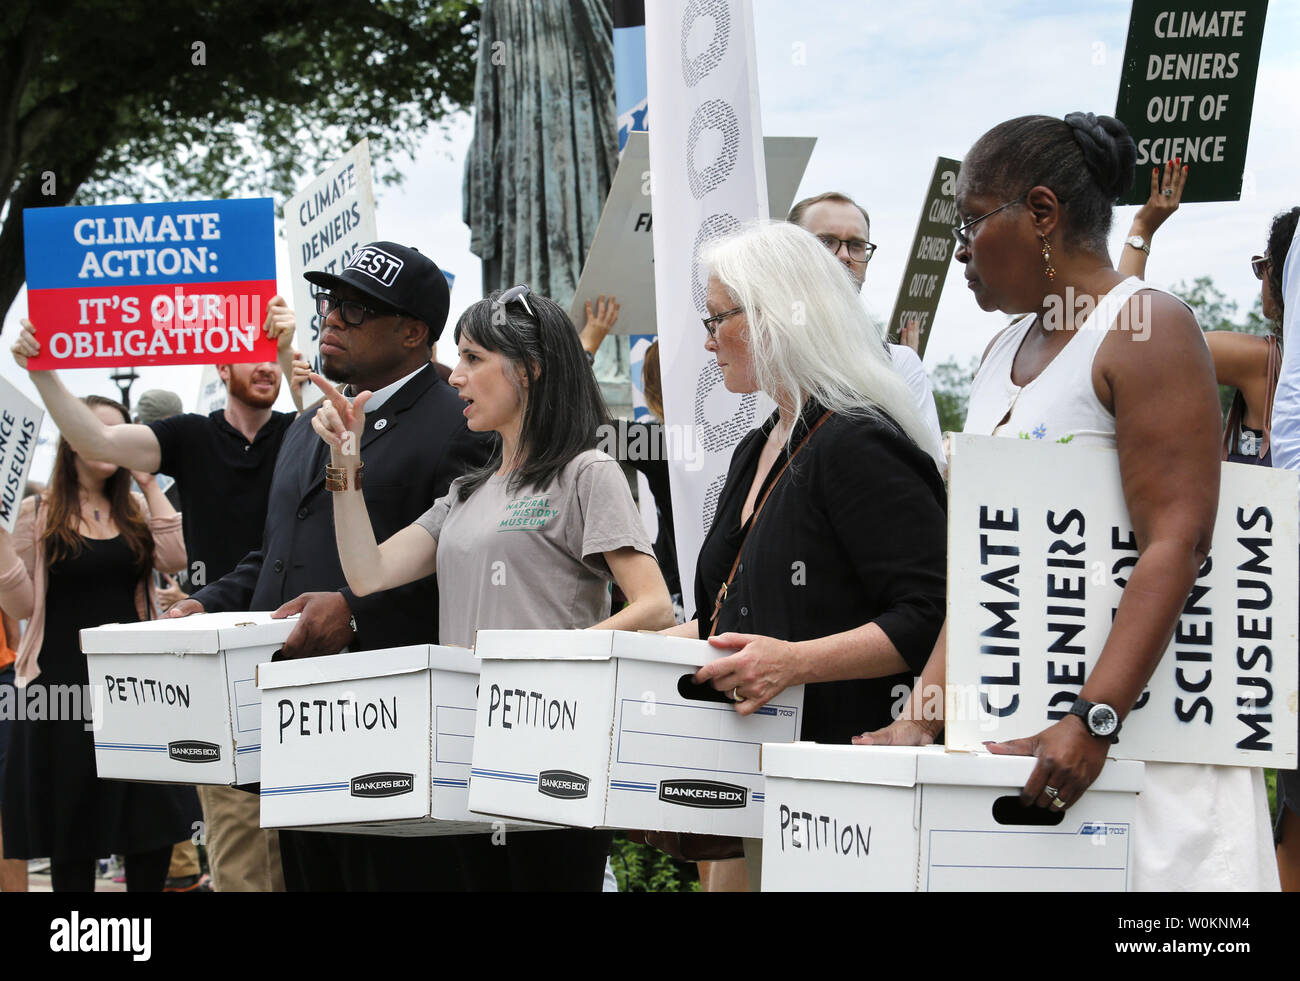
397,276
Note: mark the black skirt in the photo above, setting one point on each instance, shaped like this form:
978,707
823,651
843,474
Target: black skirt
54,803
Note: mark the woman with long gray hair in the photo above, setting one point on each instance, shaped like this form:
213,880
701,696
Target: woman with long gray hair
825,564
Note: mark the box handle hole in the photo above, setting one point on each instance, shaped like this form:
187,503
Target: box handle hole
688,689
1009,810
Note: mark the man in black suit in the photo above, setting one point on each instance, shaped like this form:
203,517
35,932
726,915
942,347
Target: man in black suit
382,314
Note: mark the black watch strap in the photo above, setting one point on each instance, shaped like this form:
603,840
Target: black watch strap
1082,707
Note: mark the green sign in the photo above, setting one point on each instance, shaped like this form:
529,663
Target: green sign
930,255
1188,89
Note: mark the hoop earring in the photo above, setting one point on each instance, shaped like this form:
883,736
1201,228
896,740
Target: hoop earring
1049,270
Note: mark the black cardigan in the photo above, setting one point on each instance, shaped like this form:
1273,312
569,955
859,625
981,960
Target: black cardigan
855,532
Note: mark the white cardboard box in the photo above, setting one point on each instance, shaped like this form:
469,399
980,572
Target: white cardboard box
590,728
376,742
180,702
886,818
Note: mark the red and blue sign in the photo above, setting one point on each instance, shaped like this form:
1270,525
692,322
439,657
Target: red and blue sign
150,284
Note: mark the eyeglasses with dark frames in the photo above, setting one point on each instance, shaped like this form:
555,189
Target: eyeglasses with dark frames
516,293
711,323
353,312
859,251
959,232
1259,266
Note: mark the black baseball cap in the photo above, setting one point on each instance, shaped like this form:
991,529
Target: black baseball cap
398,277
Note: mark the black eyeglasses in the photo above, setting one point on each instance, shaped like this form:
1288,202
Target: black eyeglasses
859,251
353,312
516,293
959,233
1259,266
711,323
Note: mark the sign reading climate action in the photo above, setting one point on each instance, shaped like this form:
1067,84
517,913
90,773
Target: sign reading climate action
930,255
20,425
1187,90
1040,548
150,284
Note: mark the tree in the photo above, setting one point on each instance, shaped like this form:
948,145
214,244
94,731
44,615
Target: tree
106,100
951,385
1215,311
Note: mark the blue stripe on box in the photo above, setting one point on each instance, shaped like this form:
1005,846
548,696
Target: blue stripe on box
448,782
307,788
504,775
249,749
136,747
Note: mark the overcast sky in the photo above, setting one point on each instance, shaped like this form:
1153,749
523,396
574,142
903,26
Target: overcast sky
887,87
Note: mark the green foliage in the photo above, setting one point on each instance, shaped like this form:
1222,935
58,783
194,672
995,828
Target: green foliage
1215,311
111,100
951,385
641,868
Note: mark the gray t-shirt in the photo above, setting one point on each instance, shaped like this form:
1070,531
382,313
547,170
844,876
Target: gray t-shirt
532,560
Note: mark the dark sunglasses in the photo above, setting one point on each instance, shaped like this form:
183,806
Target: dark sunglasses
1259,266
516,293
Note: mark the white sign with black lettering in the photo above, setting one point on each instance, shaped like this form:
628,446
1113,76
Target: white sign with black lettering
324,224
595,728
179,697
20,425
1040,547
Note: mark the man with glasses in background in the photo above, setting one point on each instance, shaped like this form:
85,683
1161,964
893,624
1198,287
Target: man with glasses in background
843,226
381,317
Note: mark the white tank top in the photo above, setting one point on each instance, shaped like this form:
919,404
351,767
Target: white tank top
1060,405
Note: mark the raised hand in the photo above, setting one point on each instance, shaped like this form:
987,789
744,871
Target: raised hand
280,323
27,346
340,422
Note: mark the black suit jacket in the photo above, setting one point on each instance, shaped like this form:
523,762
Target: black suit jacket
414,446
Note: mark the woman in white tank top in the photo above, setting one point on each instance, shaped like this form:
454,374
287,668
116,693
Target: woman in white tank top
1100,359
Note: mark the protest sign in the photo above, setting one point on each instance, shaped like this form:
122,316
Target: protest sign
20,425
706,155
150,284
1040,547
930,255
324,224
1187,90
621,260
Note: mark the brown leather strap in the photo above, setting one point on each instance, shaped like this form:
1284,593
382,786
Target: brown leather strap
753,519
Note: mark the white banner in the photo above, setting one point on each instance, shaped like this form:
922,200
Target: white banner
706,162
1040,547
324,224
20,425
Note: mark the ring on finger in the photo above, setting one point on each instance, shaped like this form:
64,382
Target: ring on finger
1051,792
736,696
1168,192
1058,803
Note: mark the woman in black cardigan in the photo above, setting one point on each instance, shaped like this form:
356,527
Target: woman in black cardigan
838,584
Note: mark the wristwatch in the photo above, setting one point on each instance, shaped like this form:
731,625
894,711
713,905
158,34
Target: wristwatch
1138,242
1102,720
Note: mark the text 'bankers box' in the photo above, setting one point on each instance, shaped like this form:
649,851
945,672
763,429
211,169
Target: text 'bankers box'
605,728
896,818
180,701
375,742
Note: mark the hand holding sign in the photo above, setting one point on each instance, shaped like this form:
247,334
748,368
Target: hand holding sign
27,346
1166,196
339,422
280,323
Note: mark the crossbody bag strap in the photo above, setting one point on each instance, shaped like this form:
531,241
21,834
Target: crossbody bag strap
753,520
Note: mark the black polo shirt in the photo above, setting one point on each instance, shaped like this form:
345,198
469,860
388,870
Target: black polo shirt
224,481
855,532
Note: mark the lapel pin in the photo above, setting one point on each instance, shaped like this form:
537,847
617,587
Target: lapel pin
380,424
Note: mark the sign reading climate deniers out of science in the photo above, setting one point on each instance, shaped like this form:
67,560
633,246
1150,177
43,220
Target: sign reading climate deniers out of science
150,284
1188,89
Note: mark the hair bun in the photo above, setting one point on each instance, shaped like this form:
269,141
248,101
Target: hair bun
1108,150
